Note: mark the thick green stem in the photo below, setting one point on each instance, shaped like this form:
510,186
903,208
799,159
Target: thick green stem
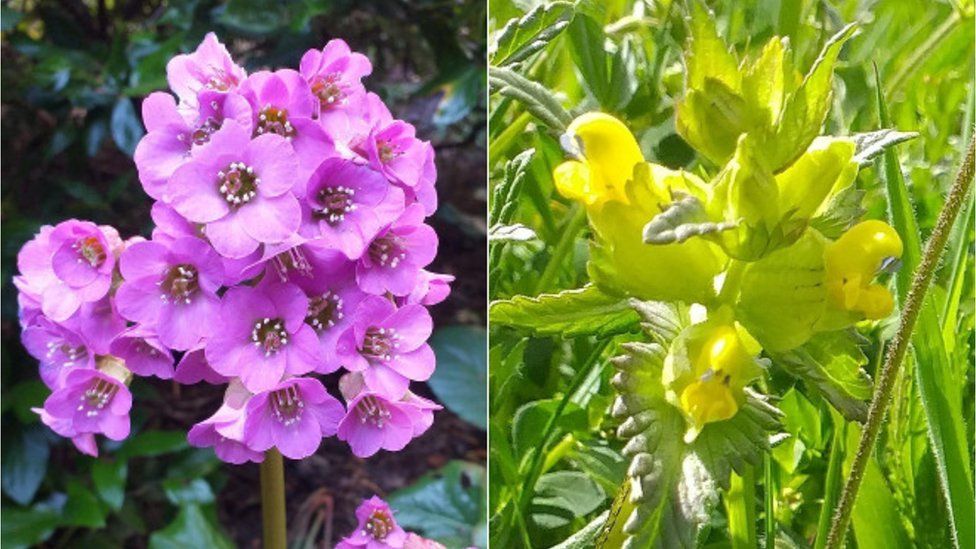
899,345
273,500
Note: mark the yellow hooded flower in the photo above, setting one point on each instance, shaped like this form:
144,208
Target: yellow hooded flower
621,194
851,264
707,369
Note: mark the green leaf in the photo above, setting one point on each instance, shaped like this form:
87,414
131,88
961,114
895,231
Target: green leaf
445,505
125,125
153,443
461,94
504,197
841,213
25,457
511,233
873,144
188,491
875,518
23,527
832,364
83,507
462,372
191,528
562,496
522,37
535,97
570,313
109,477
940,392
530,421
586,537
680,220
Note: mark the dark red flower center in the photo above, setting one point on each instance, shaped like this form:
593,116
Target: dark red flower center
380,343
328,89
387,250
324,311
238,184
274,120
91,251
292,260
269,335
180,283
387,151
334,203
379,524
372,410
287,405
98,395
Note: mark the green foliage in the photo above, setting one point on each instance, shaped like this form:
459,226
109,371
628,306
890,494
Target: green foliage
462,372
738,98
446,505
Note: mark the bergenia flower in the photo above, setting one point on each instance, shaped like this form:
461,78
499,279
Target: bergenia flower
84,442
374,422
394,258
396,152
377,529
431,288
210,67
143,353
348,205
262,335
59,349
334,76
293,416
224,431
388,345
92,402
174,134
68,265
171,288
333,300
283,105
238,188
194,368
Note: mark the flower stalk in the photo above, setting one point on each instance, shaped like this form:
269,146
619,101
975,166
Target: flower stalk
899,346
273,500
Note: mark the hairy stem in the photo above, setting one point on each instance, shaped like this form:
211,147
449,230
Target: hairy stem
273,500
896,351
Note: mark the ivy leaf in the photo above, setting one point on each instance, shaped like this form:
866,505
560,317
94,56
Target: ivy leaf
562,496
537,99
872,144
570,313
832,364
681,220
520,38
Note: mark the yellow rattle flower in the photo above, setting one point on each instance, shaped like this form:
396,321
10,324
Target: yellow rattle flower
851,264
719,370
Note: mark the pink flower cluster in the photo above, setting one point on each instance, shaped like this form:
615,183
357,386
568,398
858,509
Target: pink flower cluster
289,241
378,529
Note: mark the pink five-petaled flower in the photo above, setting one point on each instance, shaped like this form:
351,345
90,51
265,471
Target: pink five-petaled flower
69,265
374,422
239,188
174,134
210,67
377,529
348,204
171,288
293,416
394,150
388,345
261,335
59,349
283,105
335,75
224,431
143,353
393,259
333,300
84,442
92,402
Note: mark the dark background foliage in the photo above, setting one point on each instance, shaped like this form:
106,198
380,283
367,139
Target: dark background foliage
73,76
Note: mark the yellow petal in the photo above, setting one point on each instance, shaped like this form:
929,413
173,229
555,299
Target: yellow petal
609,150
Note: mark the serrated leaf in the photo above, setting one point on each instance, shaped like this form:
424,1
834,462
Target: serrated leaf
680,220
562,496
841,213
872,144
522,37
832,363
586,537
536,98
504,198
570,313
511,233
